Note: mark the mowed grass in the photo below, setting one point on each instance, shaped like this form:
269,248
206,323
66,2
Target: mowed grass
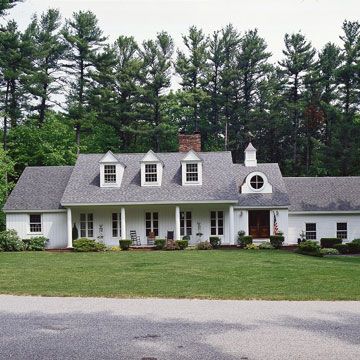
222,274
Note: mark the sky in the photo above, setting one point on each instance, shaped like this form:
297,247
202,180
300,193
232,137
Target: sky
319,20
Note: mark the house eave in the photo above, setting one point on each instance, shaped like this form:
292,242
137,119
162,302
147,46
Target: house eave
328,212
9,211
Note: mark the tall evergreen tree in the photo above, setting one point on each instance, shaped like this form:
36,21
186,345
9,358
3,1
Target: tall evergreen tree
155,80
299,60
85,40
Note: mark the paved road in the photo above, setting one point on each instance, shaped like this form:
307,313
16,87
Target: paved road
149,329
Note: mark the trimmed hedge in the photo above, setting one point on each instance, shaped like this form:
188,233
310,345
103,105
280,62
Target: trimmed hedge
266,246
87,245
125,244
245,240
215,242
277,241
354,246
329,251
159,243
10,241
182,244
329,242
37,243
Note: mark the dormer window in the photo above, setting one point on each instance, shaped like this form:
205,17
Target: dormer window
111,170
151,173
151,168
192,174
110,174
192,167
257,182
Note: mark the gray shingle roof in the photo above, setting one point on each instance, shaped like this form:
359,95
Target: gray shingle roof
39,188
323,193
279,196
218,181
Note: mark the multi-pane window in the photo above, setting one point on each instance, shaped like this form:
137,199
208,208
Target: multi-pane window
86,225
152,223
110,174
341,230
116,224
35,223
310,231
185,223
192,174
257,182
150,173
217,222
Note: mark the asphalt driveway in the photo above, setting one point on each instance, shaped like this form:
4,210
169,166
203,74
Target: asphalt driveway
92,328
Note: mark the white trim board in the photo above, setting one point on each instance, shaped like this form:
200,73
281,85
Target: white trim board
152,203
34,211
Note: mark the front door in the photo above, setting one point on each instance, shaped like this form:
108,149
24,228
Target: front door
259,224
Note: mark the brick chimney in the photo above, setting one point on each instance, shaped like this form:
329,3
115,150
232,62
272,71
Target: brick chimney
190,142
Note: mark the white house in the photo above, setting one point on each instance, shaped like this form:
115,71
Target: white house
194,193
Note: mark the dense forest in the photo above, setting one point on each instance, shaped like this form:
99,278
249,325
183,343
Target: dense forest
65,89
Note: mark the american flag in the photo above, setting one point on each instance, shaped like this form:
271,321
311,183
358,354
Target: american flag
276,229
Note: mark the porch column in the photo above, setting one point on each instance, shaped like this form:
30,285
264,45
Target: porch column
231,225
177,222
123,224
69,229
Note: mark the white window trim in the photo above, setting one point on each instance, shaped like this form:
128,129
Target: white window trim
152,221
112,174
185,220
119,171
29,232
159,171
347,229
217,222
87,226
184,172
118,220
316,231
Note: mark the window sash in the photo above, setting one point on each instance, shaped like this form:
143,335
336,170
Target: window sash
185,223
110,174
152,223
310,231
116,225
87,225
35,223
217,223
341,231
150,173
192,173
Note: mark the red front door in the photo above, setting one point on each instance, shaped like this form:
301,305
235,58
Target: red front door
259,224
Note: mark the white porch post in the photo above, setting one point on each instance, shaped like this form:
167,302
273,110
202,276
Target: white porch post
177,222
231,225
69,229
123,224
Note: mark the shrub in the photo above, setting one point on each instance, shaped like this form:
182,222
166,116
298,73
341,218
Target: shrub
87,245
342,248
251,247
215,242
329,251
354,246
204,245
329,242
10,241
159,243
37,243
182,244
265,246
245,240
309,247
125,244
276,241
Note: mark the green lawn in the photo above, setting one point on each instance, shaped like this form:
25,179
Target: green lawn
222,274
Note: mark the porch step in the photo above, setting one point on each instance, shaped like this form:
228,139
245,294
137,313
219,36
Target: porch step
259,241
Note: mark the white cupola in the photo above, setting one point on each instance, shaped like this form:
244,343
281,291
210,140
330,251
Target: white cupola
111,170
250,156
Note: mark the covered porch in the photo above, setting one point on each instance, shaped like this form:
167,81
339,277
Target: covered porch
110,223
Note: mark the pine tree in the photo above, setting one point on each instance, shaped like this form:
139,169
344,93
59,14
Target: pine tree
298,61
85,40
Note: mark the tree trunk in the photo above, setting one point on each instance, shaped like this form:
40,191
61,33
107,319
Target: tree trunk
6,116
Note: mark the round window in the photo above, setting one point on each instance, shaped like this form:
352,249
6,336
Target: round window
257,182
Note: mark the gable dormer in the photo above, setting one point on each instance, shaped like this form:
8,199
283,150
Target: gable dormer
151,168
111,171
191,169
